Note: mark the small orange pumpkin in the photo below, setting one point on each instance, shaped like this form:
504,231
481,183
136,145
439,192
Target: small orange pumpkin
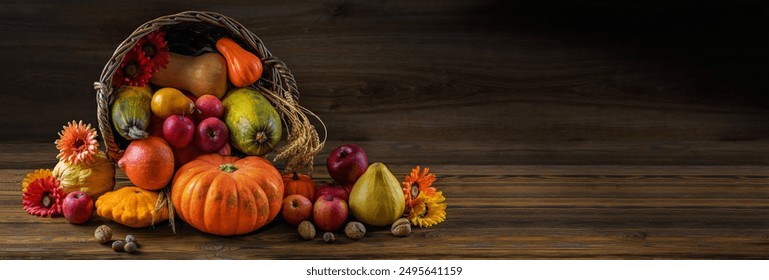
226,195
243,67
299,184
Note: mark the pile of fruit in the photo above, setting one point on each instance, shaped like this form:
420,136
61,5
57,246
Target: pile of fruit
195,134
367,193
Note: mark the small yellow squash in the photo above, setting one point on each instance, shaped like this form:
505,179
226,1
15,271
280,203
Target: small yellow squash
130,206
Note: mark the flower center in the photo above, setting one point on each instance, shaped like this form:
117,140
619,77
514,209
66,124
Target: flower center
149,50
414,190
47,200
424,212
79,143
131,69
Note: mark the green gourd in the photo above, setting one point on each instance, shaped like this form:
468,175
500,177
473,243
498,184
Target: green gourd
255,126
131,112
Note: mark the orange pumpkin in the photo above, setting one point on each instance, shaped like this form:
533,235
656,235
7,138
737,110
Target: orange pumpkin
299,184
226,195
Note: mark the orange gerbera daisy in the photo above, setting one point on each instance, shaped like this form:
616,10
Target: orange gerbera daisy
43,197
34,176
428,210
416,183
77,143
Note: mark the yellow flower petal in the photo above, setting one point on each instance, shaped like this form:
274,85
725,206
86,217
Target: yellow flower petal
428,211
33,176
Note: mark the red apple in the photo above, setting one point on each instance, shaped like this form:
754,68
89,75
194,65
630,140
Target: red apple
226,150
296,208
346,163
77,207
209,106
348,187
211,135
333,190
329,213
178,130
185,155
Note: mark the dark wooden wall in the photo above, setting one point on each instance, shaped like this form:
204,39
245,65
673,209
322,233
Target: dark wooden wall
450,82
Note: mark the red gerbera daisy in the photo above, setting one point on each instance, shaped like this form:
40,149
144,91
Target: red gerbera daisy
134,70
43,197
155,47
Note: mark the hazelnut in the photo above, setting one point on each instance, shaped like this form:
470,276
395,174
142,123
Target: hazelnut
401,227
130,238
103,234
306,230
355,230
117,246
131,247
329,237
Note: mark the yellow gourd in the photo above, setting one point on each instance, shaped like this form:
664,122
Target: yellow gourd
200,75
130,206
94,178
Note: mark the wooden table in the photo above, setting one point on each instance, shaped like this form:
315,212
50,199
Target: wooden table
495,212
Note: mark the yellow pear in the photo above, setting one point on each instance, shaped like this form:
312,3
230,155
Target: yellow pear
377,198
170,101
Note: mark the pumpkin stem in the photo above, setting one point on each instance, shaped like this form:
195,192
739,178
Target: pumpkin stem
296,176
228,167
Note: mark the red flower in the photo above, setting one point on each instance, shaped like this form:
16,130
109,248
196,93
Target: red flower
43,197
135,70
155,47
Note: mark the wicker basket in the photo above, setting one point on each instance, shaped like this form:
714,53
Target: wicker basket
194,32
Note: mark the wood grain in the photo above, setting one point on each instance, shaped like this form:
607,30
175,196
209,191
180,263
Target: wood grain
544,82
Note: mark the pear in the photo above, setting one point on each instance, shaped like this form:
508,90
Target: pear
377,198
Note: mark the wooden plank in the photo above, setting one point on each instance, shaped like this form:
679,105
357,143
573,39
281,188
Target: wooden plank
495,212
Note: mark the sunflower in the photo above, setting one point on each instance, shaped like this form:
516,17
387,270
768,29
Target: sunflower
77,143
34,176
155,47
428,210
134,70
416,183
43,197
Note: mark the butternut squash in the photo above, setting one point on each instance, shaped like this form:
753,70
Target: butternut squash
200,75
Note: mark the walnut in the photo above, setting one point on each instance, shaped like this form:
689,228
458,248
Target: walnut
355,230
306,230
103,234
401,227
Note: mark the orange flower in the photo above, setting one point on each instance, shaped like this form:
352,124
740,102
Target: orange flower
43,197
77,143
416,183
34,176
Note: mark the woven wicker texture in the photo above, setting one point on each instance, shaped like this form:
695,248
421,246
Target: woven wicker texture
195,32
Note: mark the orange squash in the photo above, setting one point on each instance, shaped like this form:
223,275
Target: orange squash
243,67
226,195
299,184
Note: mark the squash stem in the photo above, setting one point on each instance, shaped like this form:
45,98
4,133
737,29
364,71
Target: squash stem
228,167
